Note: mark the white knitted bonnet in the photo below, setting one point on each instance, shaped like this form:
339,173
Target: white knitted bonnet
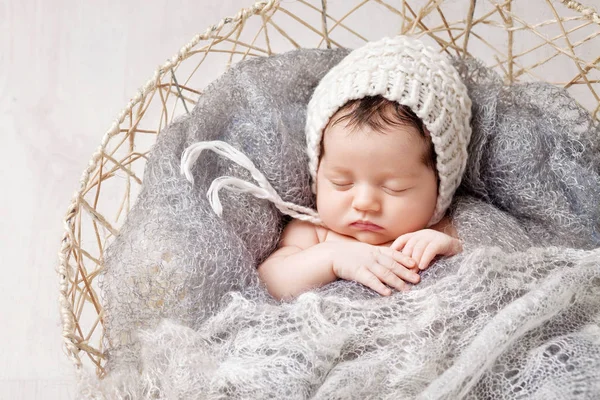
400,69
404,70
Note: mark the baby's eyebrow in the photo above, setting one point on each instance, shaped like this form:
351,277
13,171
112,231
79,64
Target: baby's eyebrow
340,169
391,176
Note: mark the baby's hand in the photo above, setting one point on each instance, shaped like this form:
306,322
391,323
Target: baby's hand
373,266
422,246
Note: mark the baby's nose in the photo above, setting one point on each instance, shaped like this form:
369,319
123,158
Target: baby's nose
366,199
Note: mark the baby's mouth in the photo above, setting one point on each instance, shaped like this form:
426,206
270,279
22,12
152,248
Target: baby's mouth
365,226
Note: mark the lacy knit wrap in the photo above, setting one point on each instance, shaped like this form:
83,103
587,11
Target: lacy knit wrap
516,315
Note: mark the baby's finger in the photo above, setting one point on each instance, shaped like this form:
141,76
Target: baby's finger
428,255
416,270
409,246
399,257
396,269
387,276
418,249
369,279
400,241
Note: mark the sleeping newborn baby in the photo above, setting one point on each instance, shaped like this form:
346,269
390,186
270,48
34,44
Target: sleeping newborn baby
387,133
377,190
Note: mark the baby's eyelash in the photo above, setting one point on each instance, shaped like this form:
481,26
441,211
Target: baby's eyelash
395,191
340,184
346,185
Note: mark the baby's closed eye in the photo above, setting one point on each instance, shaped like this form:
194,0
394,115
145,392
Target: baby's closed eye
395,189
341,185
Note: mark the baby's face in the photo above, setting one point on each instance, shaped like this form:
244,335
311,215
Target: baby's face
379,178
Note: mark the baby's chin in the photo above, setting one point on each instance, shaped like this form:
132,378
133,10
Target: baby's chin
374,238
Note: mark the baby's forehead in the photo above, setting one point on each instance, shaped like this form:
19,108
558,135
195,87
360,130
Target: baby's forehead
342,149
400,146
401,135
383,170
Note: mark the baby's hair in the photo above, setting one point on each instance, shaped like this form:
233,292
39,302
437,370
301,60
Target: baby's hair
377,113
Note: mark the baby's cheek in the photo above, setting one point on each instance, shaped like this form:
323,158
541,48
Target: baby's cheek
322,206
331,209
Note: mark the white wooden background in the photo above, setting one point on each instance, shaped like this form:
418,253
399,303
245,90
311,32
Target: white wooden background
67,68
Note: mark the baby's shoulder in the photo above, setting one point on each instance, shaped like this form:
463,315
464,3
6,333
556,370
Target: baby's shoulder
304,235
300,234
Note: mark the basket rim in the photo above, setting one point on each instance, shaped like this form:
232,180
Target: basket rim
70,346
67,242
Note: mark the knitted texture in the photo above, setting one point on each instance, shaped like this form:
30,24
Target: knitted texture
404,70
511,317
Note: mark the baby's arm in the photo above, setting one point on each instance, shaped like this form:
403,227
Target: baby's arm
299,264
302,263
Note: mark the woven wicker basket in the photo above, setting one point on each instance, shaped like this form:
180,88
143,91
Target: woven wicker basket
559,44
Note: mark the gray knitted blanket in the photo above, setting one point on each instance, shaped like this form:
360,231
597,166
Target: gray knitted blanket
516,315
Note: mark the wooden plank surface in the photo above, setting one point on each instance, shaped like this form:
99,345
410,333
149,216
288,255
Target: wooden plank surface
66,69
